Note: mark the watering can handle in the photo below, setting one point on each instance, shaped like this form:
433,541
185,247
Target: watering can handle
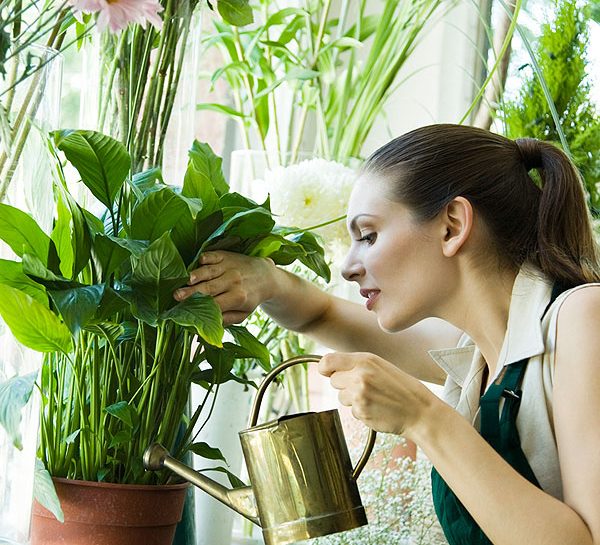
282,367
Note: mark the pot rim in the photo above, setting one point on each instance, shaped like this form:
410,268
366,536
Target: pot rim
101,484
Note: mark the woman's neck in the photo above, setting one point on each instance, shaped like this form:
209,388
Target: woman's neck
481,310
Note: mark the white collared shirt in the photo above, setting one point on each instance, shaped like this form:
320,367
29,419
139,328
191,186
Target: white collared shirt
527,336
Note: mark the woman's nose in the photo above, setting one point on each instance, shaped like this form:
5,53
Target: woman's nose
352,270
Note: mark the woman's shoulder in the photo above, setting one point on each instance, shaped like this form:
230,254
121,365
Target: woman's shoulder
579,303
575,319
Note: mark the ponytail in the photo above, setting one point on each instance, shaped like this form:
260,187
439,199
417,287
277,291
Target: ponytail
538,218
566,249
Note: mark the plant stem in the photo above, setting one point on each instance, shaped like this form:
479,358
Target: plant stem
249,91
110,80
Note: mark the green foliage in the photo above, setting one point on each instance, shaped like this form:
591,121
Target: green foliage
561,54
45,492
98,297
14,395
235,12
4,46
317,59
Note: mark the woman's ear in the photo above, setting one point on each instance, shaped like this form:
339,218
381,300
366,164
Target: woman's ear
457,221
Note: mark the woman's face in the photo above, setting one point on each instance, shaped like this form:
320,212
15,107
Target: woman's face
396,260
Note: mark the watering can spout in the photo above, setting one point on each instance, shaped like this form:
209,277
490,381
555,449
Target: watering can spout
240,500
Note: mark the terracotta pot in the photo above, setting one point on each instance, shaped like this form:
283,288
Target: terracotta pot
110,514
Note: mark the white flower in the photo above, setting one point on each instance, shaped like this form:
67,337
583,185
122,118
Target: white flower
310,193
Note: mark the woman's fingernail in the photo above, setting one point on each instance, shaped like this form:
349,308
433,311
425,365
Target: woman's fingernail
192,279
179,294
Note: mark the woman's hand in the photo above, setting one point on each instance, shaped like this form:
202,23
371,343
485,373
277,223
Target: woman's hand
382,396
237,282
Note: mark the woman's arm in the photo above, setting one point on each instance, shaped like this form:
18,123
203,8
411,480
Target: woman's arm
509,509
240,283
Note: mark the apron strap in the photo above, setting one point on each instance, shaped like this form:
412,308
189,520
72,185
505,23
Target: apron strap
506,386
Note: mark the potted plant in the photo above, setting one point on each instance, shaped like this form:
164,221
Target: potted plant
96,296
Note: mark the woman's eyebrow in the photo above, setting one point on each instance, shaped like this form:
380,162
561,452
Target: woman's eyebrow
353,226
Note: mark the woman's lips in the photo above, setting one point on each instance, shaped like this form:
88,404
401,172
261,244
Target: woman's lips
371,296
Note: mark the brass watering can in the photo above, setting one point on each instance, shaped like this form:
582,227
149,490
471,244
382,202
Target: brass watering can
303,483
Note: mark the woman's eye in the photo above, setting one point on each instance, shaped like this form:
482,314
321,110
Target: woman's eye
369,238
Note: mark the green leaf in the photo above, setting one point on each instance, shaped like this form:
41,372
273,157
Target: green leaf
220,108
4,47
44,491
122,436
235,12
102,161
261,108
21,232
109,254
11,274
200,312
235,481
204,175
72,436
110,332
250,343
245,224
368,26
208,452
291,30
61,235
221,363
595,10
146,182
232,200
78,306
32,323
158,213
279,17
157,272
294,74
124,412
315,255
34,268
93,223
14,395
81,240
267,246
111,304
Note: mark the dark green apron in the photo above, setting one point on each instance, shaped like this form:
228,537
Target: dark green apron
501,433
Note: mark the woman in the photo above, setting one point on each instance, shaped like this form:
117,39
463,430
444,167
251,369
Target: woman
456,225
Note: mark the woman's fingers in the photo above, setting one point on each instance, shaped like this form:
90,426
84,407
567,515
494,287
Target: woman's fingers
207,272
336,361
210,267
214,282
238,283
212,287
234,317
208,258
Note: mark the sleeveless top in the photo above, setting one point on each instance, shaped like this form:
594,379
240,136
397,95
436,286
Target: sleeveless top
528,336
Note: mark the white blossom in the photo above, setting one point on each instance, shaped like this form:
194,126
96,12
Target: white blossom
310,193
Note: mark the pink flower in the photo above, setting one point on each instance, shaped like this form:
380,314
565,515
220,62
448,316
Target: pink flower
87,6
117,14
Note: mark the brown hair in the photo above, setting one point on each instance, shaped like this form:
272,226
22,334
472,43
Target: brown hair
542,220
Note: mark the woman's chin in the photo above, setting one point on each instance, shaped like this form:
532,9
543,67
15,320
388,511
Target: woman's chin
386,325
394,324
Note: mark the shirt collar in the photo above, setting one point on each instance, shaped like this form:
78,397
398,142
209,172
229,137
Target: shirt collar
524,336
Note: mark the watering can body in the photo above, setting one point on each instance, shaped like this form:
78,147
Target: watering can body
301,475
303,484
